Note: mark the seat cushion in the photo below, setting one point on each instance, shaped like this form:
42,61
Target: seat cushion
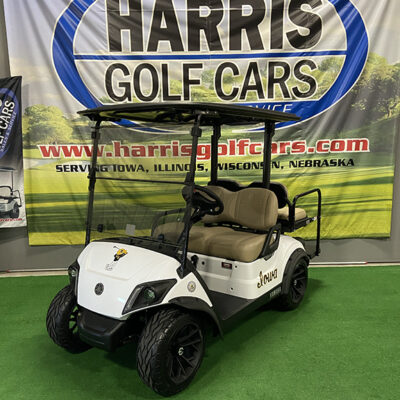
225,242
299,213
200,237
216,241
235,245
170,230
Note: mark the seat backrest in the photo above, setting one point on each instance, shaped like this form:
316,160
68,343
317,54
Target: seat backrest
279,189
255,208
5,191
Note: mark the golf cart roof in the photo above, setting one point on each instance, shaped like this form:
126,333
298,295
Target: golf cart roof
176,113
6,169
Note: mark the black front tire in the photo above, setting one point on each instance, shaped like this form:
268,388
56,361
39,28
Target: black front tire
294,282
61,321
170,351
14,213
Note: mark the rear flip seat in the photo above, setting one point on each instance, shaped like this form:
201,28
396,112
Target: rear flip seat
299,213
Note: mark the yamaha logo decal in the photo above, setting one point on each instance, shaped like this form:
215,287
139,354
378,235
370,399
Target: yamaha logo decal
299,56
99,289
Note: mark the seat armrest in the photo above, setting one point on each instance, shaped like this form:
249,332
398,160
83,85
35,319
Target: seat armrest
269,247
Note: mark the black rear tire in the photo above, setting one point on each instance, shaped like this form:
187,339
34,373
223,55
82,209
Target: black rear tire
294,282
170,351
14,213
61,321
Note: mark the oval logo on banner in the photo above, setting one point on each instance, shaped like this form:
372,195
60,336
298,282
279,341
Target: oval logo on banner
299,56
9,109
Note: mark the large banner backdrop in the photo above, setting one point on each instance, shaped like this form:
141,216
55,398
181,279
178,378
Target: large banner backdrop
12,207
335,63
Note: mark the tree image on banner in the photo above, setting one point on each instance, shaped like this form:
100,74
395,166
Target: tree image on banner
47,124
378,90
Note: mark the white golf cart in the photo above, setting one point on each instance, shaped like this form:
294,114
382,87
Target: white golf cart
10,199
160,275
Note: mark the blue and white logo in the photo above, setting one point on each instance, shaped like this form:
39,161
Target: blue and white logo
9,109
299,56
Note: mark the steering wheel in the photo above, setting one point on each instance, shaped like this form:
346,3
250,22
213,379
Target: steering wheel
204,199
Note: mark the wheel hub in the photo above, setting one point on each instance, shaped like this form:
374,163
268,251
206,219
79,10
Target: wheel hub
185,353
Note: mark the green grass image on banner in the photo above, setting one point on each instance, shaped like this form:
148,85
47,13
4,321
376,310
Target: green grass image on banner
366,214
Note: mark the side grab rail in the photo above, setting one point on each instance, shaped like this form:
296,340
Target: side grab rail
269,247
292,208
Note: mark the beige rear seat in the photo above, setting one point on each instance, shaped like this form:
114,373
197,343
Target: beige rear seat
283,213
299,213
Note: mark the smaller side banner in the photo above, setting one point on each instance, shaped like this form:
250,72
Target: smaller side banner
12,202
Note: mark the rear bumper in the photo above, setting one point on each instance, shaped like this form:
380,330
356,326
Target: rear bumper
100,331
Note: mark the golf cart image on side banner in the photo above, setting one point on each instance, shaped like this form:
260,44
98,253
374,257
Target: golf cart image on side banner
163,275
10,199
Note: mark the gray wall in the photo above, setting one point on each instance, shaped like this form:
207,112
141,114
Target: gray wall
17,254
4,64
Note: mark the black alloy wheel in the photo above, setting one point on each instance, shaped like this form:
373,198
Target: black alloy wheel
184,353
170,351
298,282
294,282
73,322
61,321
14,213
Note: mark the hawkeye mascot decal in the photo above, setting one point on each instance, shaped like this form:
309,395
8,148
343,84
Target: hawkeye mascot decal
117,256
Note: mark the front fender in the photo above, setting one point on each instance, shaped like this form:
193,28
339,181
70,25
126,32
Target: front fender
194,303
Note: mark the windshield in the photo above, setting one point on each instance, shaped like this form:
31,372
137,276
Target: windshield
141,175
138,193
151,211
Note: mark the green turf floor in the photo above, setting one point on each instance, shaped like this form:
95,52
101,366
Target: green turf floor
342,343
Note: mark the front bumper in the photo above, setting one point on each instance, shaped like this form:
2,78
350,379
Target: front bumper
100,331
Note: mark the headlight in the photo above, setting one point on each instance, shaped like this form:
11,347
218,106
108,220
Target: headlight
148,294
73,273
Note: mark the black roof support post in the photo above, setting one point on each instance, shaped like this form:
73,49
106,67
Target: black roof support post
92,178
196,133
269,132
214,153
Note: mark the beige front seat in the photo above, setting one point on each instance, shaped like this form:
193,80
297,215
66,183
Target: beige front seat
199,235
254,208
